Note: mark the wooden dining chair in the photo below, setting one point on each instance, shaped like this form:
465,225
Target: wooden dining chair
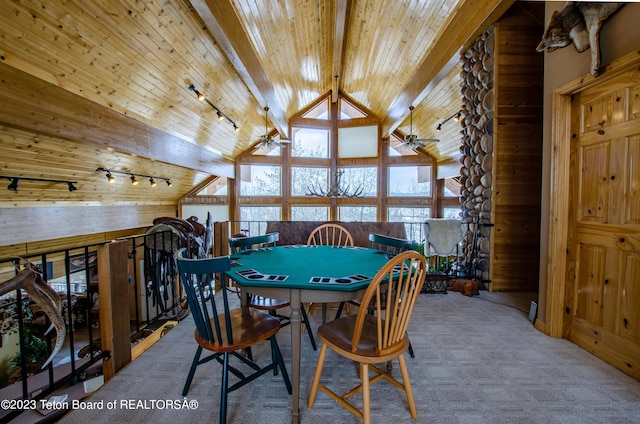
267,241
375,339
388,246
224,331
329,235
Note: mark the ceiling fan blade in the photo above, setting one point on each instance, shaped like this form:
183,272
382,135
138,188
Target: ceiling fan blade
426,140
407,144
265,146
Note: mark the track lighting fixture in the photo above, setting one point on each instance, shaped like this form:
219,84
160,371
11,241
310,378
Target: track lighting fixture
13,185
221,115
456,117
132,176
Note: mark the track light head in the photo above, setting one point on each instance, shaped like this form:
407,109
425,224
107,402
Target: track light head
199,95
13,185
132,176
456,117
202,98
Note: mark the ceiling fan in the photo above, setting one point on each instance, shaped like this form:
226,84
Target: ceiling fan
266,141
411,141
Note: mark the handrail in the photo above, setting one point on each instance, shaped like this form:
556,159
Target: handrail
72,271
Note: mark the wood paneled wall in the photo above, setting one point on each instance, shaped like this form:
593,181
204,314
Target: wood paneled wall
27,225
517,155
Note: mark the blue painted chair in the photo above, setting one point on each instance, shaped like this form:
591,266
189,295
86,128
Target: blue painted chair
224,331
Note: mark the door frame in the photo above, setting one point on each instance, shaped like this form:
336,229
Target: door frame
559,219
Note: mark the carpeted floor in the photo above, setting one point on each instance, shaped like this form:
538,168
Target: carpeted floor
478,360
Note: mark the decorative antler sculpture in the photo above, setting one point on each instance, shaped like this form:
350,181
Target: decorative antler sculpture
30,280
336,189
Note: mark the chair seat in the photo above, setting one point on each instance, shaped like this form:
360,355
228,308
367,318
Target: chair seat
338,334
267,303
248,327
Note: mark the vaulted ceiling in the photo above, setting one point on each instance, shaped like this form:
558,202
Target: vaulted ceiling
137,59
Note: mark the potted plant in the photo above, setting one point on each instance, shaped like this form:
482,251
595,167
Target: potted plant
35,352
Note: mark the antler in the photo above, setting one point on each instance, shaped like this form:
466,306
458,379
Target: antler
336,189
30,280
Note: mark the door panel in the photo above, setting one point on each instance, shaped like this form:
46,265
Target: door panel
629,311
591,261
604,289
594,187
633,164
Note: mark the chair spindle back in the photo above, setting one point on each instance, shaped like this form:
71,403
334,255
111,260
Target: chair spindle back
396,288
198,276
330,235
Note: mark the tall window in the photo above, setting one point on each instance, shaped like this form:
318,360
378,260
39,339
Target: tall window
337,152
252,218
410,215
410,181
357,213
260,180
310,213
305,179
218,187
310,143
360,179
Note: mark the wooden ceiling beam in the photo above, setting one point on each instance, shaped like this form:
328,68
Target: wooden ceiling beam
36,105
227,31
469,20
341,21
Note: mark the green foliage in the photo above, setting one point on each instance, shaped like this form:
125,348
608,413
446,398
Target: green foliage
445,265
35,349
5,370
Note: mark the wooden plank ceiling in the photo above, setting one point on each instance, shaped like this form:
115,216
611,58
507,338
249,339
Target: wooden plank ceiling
110,79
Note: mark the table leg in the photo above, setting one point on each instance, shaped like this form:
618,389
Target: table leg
295,354
244,301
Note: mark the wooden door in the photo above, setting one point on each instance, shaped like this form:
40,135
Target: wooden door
602,291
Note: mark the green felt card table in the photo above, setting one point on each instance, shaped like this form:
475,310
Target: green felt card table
301,273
